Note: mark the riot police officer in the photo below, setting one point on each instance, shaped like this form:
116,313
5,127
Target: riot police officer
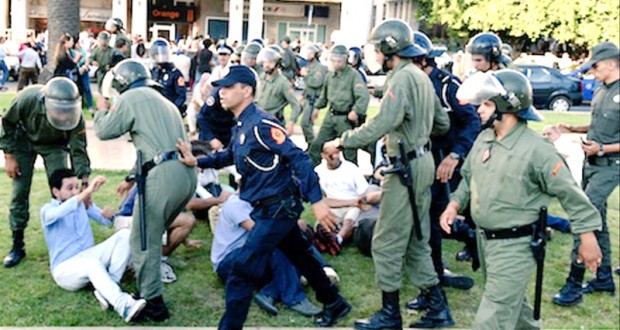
276,176
355,60
101,56
47,121
115,27
249,55
167,75
448,151
347,97
275,90
154,132
314,76
527,172
409,110
486,52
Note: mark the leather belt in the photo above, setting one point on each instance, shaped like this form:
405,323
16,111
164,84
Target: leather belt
415,153
160,158
604,160
287,193
514,232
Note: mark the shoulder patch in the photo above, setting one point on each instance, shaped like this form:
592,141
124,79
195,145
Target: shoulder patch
277,135
210,101
181,81
557,167
389,92
359,85
290,91
82,132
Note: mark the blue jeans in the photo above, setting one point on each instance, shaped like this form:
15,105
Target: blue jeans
5,73
276,227
86,89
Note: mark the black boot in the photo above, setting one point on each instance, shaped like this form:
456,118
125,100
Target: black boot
570,294
333,312
387,318
155,310
18,252
437,314
603,282
417,304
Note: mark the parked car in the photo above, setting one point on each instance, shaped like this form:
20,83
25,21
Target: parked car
552,90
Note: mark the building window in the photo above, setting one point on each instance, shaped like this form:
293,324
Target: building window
306,33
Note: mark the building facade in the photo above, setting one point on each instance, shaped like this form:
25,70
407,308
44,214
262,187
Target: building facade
324,21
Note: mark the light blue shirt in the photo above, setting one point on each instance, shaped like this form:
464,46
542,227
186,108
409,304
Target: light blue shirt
229,234
67,230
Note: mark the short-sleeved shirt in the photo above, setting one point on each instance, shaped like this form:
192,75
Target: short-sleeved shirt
342,183
229,235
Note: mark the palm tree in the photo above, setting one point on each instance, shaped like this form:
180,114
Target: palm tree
63,16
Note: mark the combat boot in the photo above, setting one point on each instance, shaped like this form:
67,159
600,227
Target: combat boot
437,313
18,251
417,304
387,318
155,310
333,312
603,282
570,294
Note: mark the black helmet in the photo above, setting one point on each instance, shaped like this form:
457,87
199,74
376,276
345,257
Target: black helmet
160,51
510,90
63,104
489,45
424,42
130,73
394,36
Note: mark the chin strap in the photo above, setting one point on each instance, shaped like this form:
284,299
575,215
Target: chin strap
496,116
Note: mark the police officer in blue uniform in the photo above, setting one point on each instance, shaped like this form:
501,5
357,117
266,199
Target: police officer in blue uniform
448,151
355,60
166,74
276,176
214,122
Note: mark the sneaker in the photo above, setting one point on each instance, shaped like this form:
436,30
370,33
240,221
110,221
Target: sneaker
266,303
306,308
103,304
332,275
167,274
132,309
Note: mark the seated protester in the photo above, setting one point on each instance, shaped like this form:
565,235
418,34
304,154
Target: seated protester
342,183
362,233
177,233
234,227
75,260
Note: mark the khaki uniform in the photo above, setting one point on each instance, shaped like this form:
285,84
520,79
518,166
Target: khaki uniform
506,183
313,81
275,93
26,133
409,111
101,55
155,126
344,91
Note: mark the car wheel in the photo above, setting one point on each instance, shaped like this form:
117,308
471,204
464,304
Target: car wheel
559,104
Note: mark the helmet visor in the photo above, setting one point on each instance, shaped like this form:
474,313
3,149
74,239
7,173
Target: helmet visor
338,62
372,61
107,90
160,54
479,87
63,114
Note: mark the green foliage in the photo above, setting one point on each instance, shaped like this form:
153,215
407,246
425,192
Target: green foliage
581,21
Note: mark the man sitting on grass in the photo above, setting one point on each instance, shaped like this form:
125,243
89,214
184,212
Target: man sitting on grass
75,260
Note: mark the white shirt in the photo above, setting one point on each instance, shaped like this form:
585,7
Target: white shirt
572,152
344,182
218,73
30,58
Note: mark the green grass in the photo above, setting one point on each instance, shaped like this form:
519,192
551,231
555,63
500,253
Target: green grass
29,297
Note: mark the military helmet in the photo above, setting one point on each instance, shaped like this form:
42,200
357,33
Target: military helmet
160,51
114,22
104,36
239,50
510,90
424,42
129,72
269,54
252,49
277,48
489,45
394,37
63,104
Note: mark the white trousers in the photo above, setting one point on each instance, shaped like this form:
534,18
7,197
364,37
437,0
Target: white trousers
102,265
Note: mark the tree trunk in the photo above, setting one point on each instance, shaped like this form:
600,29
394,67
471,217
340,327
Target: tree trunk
63,16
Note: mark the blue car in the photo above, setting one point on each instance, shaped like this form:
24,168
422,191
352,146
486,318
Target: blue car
588,84
552,90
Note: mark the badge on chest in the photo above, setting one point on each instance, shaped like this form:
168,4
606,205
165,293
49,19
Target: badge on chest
242,138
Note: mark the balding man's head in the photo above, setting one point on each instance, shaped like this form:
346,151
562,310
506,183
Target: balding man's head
552,133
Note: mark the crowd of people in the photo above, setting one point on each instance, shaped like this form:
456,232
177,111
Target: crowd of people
452,159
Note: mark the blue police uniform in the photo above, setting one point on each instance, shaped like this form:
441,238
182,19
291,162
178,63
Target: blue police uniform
173,84
214,121
464,128
276,176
